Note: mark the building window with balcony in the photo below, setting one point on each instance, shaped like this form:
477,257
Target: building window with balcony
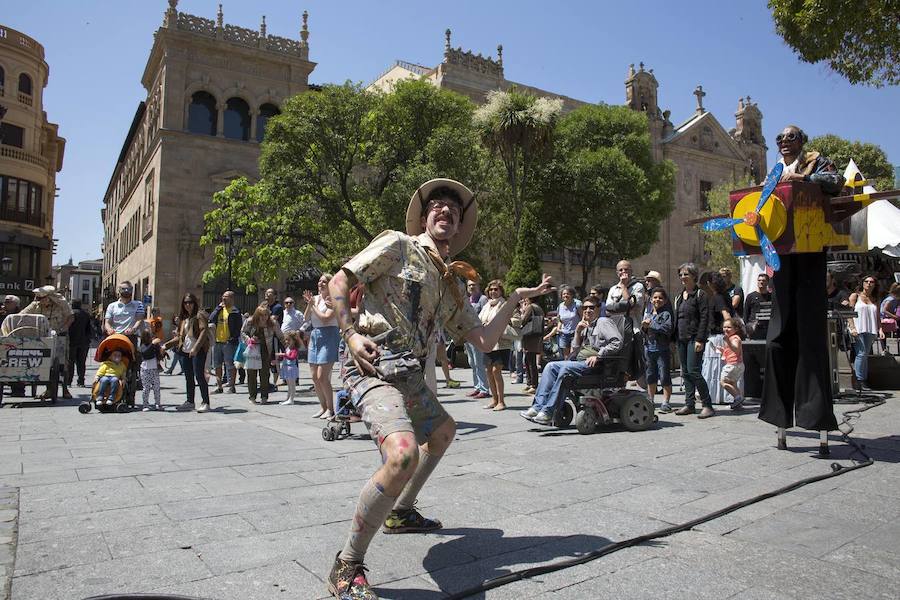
21,201
266,112
25,86
12,135
202,114
2,80
85,285
24,260
237,119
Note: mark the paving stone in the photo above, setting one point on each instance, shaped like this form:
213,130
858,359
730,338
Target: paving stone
224,505
279,581
133,541
98,521
60,552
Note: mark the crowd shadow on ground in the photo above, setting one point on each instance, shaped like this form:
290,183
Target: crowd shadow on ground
507,554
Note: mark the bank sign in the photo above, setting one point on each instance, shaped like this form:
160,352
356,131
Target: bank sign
25,360
16,286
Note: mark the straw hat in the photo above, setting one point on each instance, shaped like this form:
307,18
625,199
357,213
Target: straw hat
653,275
469,217
42,291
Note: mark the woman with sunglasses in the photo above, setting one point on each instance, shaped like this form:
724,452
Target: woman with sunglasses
260,333
324,340
191,344
497,358
864,327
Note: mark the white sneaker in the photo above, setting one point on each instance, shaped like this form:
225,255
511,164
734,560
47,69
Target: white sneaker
543,418
529,414
109,402
287,402
146,408
204,407
158,407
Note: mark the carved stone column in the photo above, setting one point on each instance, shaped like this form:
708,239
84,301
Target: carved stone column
220,119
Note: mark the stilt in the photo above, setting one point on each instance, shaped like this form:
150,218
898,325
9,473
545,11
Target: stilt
782,438
823,444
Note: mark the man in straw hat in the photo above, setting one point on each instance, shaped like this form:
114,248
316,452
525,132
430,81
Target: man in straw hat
410,292
51,304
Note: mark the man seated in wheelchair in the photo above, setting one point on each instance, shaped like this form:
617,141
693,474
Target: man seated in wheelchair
108,381
595,338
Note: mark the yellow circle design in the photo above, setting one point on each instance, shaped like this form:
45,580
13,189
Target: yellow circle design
773,218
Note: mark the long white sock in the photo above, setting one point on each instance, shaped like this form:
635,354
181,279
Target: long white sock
426,466
371,511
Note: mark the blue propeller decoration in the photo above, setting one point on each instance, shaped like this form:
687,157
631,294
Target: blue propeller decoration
753,219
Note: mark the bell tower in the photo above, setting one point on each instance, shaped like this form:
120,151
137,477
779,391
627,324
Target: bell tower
641,95
748,134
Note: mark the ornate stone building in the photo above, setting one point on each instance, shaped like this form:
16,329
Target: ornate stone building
704,153
211,88
31,154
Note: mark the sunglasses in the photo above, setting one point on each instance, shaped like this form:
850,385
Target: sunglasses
588,307
493,289
289,302
187,302
789,137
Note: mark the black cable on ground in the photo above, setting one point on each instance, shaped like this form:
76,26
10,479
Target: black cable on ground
845,428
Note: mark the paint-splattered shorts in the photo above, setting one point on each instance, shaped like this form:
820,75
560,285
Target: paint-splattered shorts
405,406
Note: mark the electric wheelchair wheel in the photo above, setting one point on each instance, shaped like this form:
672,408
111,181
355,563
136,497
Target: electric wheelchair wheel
636,413
586,421
84,408
562,418
122,407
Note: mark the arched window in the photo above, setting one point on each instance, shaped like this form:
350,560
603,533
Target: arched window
237,119
25,84
266,112
202,114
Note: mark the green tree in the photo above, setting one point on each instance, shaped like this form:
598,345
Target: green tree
519,127
860,39
870,159
338,167
615,195
717,245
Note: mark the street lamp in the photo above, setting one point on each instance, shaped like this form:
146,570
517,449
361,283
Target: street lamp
7,264
232,243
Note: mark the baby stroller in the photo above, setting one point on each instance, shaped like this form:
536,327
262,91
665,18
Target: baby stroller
339,425
124,399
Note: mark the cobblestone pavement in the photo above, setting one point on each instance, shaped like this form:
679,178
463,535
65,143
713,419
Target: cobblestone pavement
249,502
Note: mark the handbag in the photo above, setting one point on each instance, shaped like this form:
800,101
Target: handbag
240,354
535,326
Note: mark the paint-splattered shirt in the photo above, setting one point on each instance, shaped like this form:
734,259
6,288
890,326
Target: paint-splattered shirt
404,290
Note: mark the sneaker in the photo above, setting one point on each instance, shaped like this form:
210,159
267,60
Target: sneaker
542,418
252,400
145,409
530,390
452,384
528,414
665,408
218,390
347,581
706,413
231,390
109,402
287,402
158,407
409,521
203,408
737,403
185,406
685,410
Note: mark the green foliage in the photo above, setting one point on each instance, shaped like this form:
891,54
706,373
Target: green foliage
604,194
518,127
870,159
338,166
526,267
717,245
857,38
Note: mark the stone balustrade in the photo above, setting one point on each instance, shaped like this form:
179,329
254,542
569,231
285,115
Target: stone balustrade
26,99
17,38
19,154
240,35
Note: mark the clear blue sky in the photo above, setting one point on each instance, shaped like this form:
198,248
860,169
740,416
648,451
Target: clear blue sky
97,50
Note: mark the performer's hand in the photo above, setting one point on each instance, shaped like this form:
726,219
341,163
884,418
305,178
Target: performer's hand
545,288
364,351
698,346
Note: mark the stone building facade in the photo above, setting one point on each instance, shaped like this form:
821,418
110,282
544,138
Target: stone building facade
31,154
211,87
704,153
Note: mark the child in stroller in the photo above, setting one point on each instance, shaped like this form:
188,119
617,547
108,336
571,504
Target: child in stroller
109,378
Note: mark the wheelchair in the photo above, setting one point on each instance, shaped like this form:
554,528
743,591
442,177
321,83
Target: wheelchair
600,398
